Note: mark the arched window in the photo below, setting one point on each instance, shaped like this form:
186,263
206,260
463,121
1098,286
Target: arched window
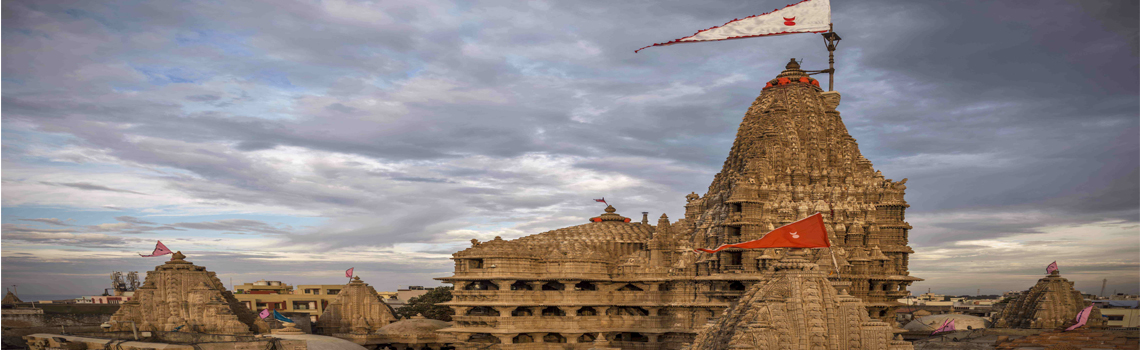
631,337
587,338
553,338
627,311
736,285
553,311
521,285
522,338
482,311
521,312
481,285
587,311
553,285
585,285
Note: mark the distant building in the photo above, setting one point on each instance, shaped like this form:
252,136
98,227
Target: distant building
1119,313
274,295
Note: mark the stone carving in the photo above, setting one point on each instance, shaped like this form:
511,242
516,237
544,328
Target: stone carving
357,309
1051,303
180,296
615,282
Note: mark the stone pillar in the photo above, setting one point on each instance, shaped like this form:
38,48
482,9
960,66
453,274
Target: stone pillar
571,310
505,338
504,311
601,310
503,284
572,338
536,285
653,310
654,286
653,338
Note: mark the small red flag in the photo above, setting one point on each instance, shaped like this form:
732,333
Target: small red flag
348,273
159,249
806,233
1052,267
603,200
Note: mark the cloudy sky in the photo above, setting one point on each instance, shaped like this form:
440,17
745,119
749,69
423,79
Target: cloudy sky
292,140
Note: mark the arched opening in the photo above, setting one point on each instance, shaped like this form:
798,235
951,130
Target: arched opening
483,338
631,337
553,311
665,312
475,263
665,287
587,338
585,285
553,338
736,285
481,285
587,311
627,311
553,285
521,312
522,338
629,287
521,285
482,311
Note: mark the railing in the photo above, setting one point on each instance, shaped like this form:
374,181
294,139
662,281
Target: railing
573,324
545,297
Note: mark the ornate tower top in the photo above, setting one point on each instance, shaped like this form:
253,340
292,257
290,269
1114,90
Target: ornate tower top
1051,303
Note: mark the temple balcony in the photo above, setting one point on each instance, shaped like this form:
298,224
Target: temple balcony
570,324
544,297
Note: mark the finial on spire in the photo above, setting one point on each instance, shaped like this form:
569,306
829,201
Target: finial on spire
792,64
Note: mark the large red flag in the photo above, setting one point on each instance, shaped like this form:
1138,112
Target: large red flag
159,249
806,233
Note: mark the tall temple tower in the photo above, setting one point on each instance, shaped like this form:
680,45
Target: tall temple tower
619,284
793,157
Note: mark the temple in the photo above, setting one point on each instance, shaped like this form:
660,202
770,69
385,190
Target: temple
179,296
1051,303
613,282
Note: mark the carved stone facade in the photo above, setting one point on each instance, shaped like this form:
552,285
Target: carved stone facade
180,296
616,283
357,310
798,308
1051,303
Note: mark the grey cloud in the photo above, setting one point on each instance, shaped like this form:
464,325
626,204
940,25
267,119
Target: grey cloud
89,187
52,221
133,220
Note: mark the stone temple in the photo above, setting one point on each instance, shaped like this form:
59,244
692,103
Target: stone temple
1051,303
613,282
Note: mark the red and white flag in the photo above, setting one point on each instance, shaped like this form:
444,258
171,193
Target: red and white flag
159,249
1052,267
808,16
603,200
806,233
348,273
947,326
1082,317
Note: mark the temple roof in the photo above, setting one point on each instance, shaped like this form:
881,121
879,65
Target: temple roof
587,241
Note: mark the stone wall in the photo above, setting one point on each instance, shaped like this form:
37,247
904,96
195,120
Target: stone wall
53,319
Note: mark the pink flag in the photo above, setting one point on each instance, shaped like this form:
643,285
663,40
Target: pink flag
264,313
1052,267
159,249
603,200
348,273
947,326
1082,317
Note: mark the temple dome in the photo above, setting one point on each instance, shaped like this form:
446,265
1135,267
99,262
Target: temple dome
1051,303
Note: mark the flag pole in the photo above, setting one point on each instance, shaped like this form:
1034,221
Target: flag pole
833,261
832,40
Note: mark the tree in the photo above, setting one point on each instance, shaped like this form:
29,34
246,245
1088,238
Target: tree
428,305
